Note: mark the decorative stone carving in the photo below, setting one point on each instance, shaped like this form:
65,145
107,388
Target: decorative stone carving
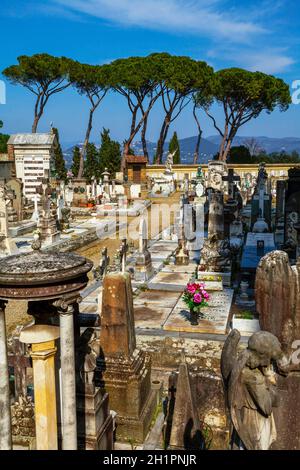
216,172
216,252
251,392
23,423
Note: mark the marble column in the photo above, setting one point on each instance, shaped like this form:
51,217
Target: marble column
5,415
68,385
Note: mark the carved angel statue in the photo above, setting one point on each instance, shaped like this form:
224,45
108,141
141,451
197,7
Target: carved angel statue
250,388
169,161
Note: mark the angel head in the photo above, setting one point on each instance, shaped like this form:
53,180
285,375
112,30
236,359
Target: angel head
264,348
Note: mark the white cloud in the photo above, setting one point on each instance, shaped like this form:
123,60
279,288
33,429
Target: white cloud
268,62
201,17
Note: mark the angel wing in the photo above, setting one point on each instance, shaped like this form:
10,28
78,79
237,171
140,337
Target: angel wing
229,354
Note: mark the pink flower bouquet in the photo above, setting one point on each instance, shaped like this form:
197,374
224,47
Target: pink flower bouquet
195,296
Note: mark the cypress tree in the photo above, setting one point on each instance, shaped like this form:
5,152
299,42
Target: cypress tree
75,161
59,161
91,167
174,147
109,153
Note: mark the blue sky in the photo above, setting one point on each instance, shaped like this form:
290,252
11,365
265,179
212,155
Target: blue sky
257,35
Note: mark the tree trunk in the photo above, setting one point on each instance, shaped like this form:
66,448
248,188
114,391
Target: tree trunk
133,132
85,144
196,154
35,124
227,150
162,139
223,143
159,150
143,138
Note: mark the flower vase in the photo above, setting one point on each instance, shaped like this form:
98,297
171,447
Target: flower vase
194,315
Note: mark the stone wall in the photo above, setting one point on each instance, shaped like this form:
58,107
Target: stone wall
276,171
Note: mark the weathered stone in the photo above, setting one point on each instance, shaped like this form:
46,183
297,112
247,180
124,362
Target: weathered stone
277,289
186,430
124,371
251,392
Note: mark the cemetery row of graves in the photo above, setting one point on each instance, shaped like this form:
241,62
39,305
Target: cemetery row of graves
180,336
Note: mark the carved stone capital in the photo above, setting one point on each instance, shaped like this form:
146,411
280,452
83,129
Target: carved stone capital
65,304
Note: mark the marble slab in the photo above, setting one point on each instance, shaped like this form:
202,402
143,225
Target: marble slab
225,277
216,316
170,281
156,298
246,327
173,268
151,316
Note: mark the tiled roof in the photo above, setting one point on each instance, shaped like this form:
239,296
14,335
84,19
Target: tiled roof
31,139
136,159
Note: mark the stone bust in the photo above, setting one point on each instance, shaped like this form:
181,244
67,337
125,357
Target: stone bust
250,386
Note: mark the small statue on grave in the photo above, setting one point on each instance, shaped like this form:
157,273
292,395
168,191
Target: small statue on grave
37,242
216,255
66,215
250,385
170,162
87,352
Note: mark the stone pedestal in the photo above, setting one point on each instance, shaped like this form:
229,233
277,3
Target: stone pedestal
124,371
143,267
181,257
95,423
79,191
42,339
48,229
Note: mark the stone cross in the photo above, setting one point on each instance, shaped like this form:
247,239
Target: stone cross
123,254
231,178
3,212
20,362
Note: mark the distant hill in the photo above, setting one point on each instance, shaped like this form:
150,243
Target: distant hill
187,148
269,144
208,147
